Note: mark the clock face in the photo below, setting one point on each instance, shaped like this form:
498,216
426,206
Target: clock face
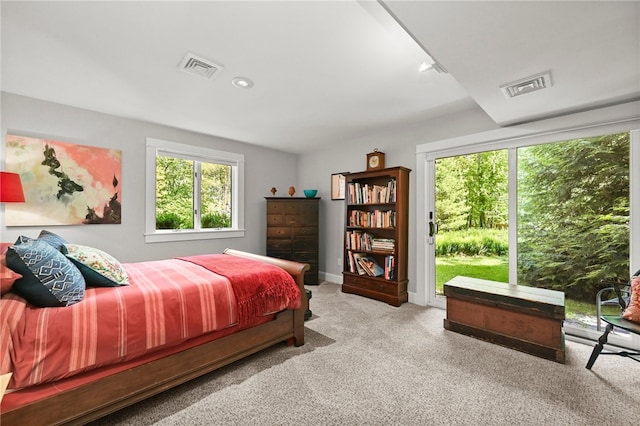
374,161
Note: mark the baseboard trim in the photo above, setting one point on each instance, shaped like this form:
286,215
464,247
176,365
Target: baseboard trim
337,279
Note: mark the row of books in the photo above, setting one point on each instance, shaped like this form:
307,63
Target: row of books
364,264
364,193
373,219
383,244
364,241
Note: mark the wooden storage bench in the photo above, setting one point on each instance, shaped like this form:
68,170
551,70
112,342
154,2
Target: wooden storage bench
527,319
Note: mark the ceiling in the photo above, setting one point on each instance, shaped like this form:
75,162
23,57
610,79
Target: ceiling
324,72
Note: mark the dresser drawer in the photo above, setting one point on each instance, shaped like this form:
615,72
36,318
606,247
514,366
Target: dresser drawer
293,220
305,256
306,231
308,208
275,220
279,244
279,254
278,232
275,207
306,244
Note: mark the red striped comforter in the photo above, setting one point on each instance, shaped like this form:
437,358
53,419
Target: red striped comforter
167,303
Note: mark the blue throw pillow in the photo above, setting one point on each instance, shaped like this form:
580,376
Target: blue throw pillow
54,240
49,279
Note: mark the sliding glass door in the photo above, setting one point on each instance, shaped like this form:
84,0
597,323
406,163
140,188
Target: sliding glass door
551,215
472,213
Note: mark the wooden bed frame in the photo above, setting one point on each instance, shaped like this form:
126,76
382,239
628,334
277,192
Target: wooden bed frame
104,396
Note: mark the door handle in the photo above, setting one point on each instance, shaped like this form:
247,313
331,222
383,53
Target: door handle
433,228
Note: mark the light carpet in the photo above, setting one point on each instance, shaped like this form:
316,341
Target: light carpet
368,363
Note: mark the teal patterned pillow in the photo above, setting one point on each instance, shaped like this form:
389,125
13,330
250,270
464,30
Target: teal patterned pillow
49,279
98,268
54,240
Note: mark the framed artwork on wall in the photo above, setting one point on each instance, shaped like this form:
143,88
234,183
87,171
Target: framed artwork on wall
338,186
64,183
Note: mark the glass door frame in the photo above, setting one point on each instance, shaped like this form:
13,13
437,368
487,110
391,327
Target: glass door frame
425,201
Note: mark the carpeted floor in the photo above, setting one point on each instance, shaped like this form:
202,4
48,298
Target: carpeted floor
368,363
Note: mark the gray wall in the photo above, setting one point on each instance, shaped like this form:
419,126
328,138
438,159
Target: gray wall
264,168
350,155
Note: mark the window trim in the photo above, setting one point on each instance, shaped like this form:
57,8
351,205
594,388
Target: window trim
197,153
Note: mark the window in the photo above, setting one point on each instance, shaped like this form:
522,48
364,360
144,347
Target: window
192,192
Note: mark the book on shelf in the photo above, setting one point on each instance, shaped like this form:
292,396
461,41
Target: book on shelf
359,193
358,266
389,267
368,265
359,240
351,263
383,244
373,219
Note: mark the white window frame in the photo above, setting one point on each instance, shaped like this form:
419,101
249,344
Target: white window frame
155,147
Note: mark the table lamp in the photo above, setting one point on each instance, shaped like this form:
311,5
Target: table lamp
11,188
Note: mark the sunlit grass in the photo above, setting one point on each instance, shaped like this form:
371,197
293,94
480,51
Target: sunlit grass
493,268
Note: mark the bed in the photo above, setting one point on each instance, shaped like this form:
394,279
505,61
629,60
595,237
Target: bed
95,382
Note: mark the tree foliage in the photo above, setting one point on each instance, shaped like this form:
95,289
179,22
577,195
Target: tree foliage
573,210
471,191
216,195
175,194
174,189
573,220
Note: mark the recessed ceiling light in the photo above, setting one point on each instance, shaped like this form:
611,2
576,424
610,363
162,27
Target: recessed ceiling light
242,82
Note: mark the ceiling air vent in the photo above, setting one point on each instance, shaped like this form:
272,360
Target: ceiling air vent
527,85
199,66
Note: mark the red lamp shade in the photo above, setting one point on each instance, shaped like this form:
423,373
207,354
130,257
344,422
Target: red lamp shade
11,188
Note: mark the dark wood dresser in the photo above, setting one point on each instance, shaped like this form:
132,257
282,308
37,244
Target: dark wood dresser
293,231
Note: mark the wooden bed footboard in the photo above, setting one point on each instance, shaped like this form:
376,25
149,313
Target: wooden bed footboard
96,399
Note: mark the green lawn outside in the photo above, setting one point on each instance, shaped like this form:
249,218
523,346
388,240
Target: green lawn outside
496,268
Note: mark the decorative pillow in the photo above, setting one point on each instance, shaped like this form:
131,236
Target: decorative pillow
56,241
97,267
632,313
49,279
23,239
7,275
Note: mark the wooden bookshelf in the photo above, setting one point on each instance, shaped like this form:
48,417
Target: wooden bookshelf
376,234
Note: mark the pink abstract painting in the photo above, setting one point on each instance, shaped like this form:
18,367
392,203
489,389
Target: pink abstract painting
64,183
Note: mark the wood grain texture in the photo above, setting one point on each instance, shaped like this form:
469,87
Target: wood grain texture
392,291
518,318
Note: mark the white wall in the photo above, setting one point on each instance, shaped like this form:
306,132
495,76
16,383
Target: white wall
264,168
